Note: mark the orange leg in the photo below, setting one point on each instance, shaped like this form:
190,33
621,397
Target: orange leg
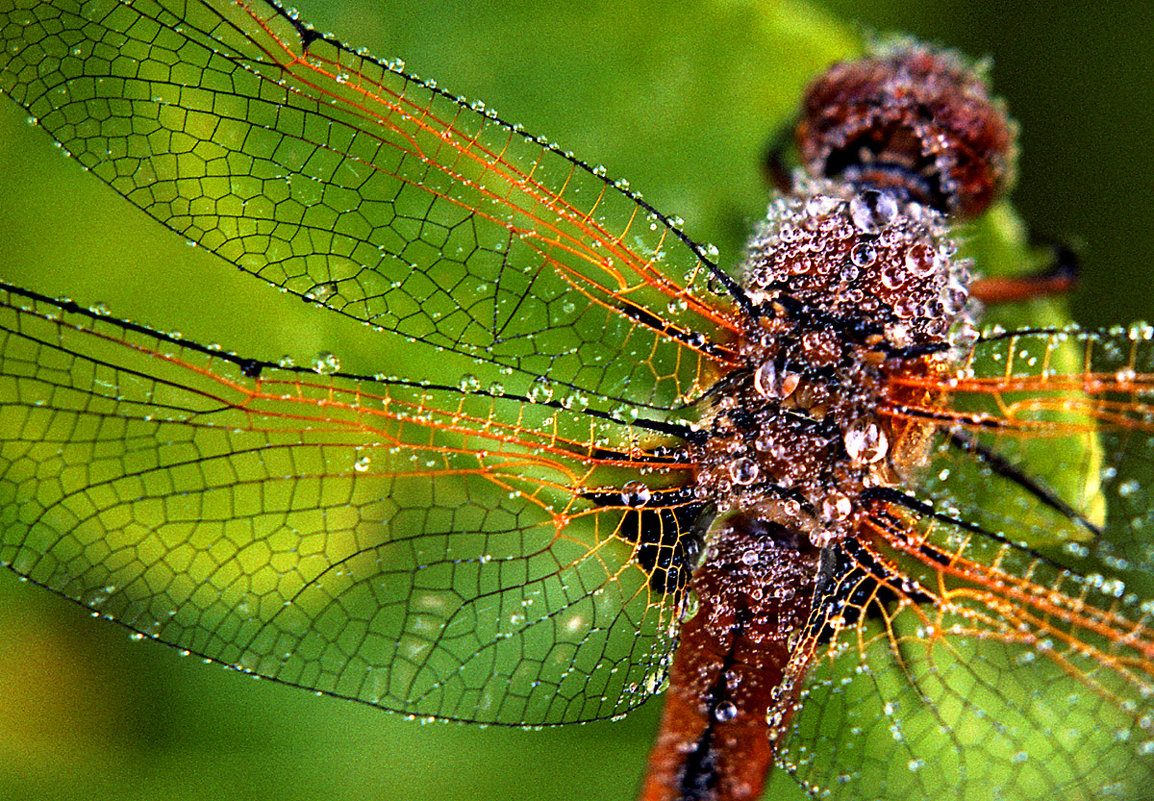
1059,279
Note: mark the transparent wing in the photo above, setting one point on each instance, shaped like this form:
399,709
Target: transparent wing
359,188
428,550
1062,422
993,637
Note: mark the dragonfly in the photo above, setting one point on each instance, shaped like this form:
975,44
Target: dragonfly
248,367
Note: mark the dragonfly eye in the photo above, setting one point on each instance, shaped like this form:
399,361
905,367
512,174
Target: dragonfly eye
913,121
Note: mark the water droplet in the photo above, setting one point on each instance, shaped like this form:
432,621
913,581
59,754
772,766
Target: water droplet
322,293
836,506
635,494
765,380
469,383
656,683
97,598
743,470
690,606
964,335
624,413
821,205
865,442
921,260
773,384
325,363
863,254
724,712
541,390
872,210
362,464
898,334
907,308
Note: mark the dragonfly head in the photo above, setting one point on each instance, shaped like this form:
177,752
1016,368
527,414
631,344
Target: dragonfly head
912,120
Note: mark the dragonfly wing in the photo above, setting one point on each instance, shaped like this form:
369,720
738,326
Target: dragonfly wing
359,188
424,549
994,638
1049,439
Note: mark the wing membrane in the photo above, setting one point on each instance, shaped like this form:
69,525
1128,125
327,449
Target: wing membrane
1073,412
958,665
357,187
428,550
998,642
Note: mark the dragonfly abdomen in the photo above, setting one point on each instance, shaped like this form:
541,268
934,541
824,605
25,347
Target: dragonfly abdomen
755,592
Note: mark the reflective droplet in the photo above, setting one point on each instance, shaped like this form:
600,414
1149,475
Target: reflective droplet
863,254
541,391
898,334
635,494
865,442
821,205
743,470
765,380
690,605
362,464
656,683
773,384
469,383
921,260
623,413
724,712
836,506
325,363
872,210
892,276
964,335
322,293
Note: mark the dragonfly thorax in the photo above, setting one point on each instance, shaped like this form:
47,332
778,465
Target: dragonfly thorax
863,266
851,286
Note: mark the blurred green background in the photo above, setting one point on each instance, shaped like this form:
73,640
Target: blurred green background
679,97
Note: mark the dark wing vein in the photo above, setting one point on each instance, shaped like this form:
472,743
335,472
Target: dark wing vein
424,549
